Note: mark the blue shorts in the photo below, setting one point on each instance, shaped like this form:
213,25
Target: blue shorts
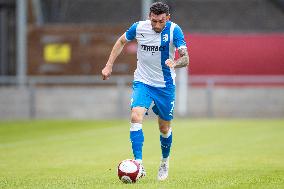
163,97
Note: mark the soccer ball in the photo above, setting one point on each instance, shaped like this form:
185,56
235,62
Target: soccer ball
129,171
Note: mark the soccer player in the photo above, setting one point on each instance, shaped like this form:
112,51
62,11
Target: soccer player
154,78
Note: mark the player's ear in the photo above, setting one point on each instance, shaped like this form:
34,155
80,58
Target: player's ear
168,17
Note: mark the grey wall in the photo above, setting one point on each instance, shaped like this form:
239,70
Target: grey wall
237,102
109,102
14,103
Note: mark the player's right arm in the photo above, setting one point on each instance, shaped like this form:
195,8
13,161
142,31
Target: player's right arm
116,50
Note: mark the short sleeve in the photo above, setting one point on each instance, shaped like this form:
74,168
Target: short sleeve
130,34
178,38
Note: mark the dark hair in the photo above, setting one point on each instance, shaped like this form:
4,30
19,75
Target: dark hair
159,8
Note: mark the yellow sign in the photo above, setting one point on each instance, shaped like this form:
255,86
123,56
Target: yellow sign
57,53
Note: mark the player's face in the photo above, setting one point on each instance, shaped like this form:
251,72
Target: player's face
158,22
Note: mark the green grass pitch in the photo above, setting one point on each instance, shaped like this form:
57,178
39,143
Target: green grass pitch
85,154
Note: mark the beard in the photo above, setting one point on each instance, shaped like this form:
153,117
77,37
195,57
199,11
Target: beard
157,30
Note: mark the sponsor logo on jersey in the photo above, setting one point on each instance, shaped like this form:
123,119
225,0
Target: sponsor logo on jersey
153,48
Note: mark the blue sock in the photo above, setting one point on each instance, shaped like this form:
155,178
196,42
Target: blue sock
137,139
166,143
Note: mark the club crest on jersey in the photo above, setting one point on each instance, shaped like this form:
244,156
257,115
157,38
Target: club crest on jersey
165,37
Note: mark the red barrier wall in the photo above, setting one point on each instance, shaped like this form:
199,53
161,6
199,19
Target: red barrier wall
236,54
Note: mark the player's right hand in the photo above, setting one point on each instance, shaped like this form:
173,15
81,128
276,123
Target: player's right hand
106,72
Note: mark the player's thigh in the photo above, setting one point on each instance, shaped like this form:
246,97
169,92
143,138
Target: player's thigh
140,95
164,100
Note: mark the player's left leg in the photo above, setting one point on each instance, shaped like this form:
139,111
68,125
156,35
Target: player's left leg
164,99
165,137
166,143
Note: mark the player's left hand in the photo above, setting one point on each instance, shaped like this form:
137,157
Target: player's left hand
170,63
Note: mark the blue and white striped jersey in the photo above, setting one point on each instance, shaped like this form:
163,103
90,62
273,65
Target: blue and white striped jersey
153,50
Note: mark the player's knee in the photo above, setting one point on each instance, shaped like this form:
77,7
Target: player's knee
164,129
136,117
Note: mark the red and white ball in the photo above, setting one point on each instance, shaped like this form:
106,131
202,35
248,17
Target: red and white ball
129,171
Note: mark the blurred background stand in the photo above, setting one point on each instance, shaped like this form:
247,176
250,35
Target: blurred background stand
55,50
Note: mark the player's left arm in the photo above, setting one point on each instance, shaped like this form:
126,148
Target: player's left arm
179,42
181,62
183,59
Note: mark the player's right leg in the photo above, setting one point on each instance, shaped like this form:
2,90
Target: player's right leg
136,133
140,102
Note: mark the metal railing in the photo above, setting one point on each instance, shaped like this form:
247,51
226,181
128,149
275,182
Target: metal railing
246,79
